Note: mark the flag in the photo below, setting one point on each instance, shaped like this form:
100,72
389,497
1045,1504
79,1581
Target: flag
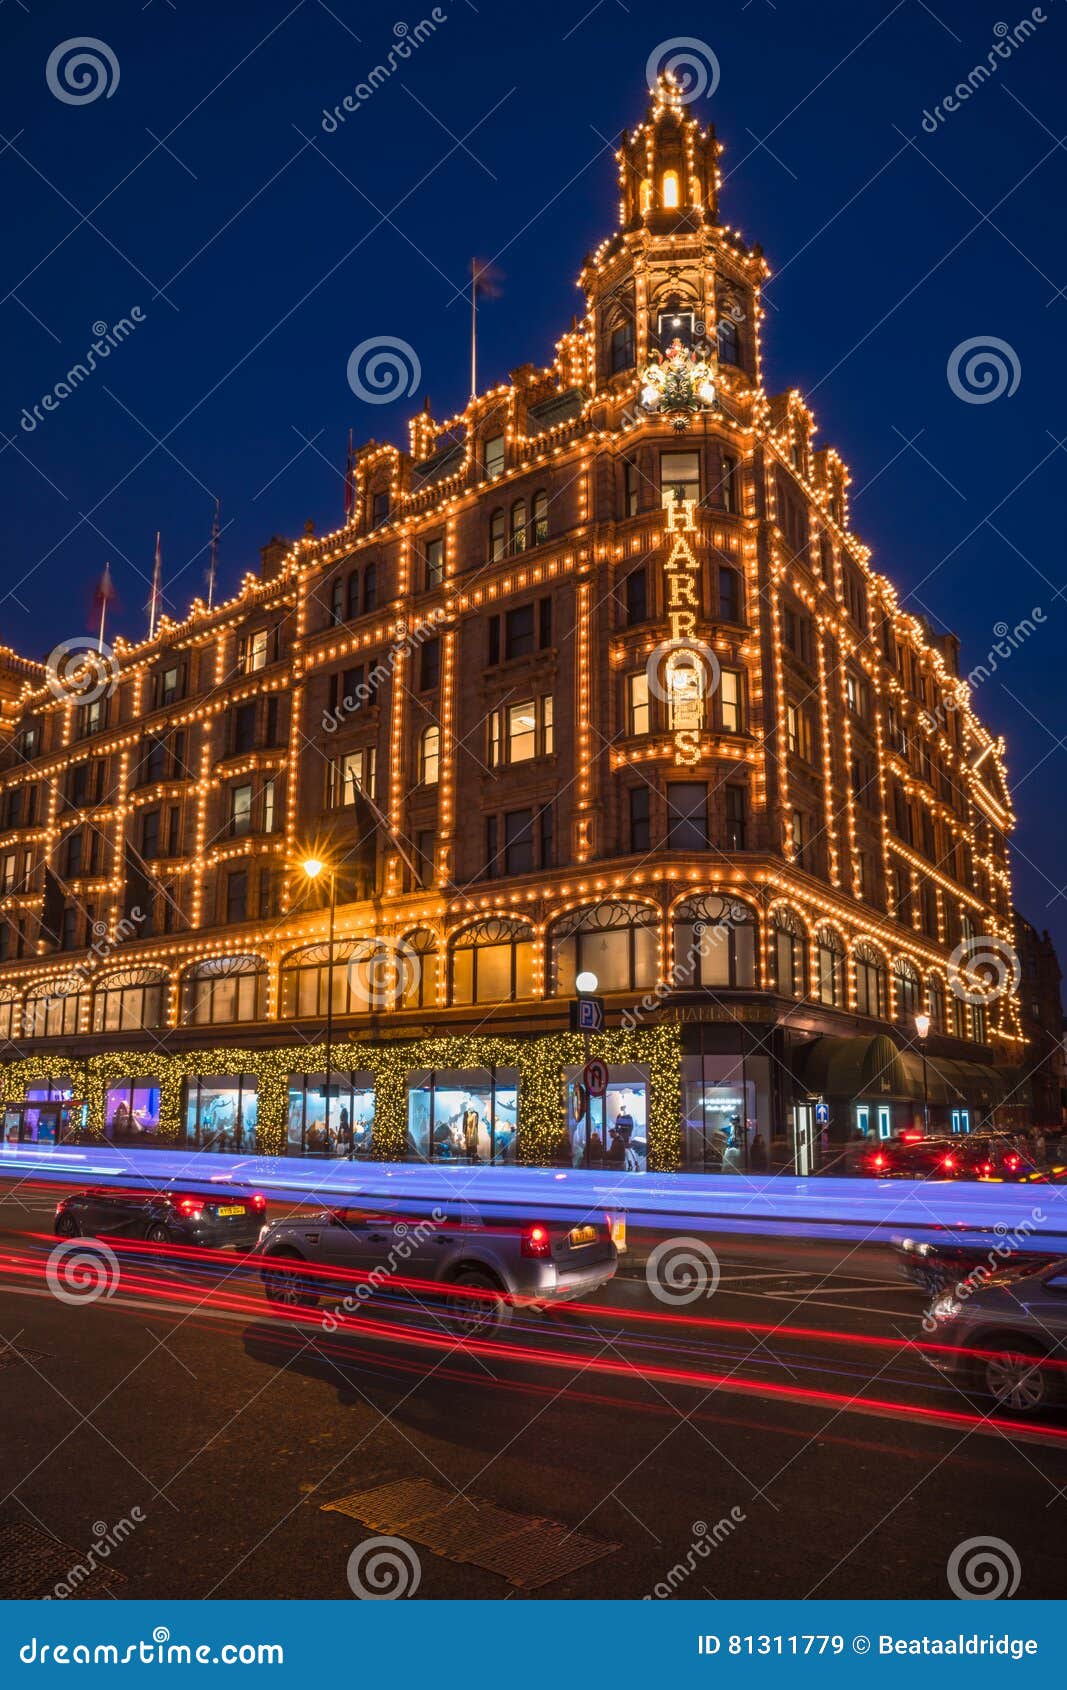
350,491
155,602
486,279
104,595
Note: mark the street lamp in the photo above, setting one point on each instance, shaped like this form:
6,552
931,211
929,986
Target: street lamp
314,868
586,982
922,1027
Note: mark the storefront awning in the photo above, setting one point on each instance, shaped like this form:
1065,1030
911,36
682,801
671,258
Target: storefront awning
873,1067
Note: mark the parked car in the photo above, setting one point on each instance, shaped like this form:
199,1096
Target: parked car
979,1156
539,1263
163,1217
1017,1320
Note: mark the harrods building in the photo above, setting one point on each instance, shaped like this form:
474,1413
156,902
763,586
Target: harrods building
596,677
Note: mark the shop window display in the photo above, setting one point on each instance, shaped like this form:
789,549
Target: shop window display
342,1125
462,1115
221,1111
721,1097
610,1131
131,1110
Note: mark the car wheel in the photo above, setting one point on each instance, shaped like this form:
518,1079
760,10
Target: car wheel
157,1234
285,1285
67,1227
1015,1379
478,1317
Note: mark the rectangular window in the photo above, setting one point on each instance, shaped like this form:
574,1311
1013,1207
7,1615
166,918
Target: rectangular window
801,839
729,595
635,597
518,842
430,665
687,816
492,651
544,836
800,733
237,895
548,725
75,848
268,893
150,834
174,833
244,726
253,651
494,455
622,347
240,809
379,509
679,477
735,818
492,867
519,631
640,820
638,704
435,562
269,807
425,841
728,486
544,623
521,732
631,499
168,686
351,775
730,701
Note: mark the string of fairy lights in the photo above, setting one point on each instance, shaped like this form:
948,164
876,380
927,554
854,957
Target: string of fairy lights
669,247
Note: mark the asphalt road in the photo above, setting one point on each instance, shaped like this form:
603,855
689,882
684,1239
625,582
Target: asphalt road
205,1442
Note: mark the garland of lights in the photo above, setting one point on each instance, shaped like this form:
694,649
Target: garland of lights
539,1062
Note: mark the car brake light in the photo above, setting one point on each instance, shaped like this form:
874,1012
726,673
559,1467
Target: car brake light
258,1200
1012,1162
189,1207
948,1162
987,1167
878,1161
536,1242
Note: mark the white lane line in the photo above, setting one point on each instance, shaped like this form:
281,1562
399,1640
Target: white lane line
787,1297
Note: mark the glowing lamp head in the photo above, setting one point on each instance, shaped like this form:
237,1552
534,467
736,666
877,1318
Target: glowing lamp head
313,867
922,1025
586,981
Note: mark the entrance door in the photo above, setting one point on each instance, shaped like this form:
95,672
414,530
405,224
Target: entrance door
863,1119
885,1120
961,1120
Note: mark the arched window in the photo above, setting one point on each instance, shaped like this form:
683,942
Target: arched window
430,756
352,596
671,191
789,954
727,339
646,195
492,962
714,943
9,1013
418,986
830,967
365,974
907,991
498,536
134,999
337,602
227,988
52,1008
935,1003
518,526
618,942
870,981
540,518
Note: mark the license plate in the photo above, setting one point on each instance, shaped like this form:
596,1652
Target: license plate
234,1209
618,1233
582,1235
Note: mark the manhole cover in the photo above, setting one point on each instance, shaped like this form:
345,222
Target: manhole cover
12,1354
525,1549
34,1564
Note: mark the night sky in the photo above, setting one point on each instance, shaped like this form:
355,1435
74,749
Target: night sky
260,250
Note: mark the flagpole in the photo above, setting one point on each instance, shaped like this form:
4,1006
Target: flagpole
474,327
157,588
214,563
105,593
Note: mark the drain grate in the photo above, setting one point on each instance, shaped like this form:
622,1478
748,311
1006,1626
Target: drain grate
525,1549
12,1354
34,1565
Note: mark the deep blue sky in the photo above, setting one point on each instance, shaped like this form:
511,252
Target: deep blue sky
278,257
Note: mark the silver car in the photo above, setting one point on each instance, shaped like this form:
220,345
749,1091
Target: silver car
1017,1318
490,1264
